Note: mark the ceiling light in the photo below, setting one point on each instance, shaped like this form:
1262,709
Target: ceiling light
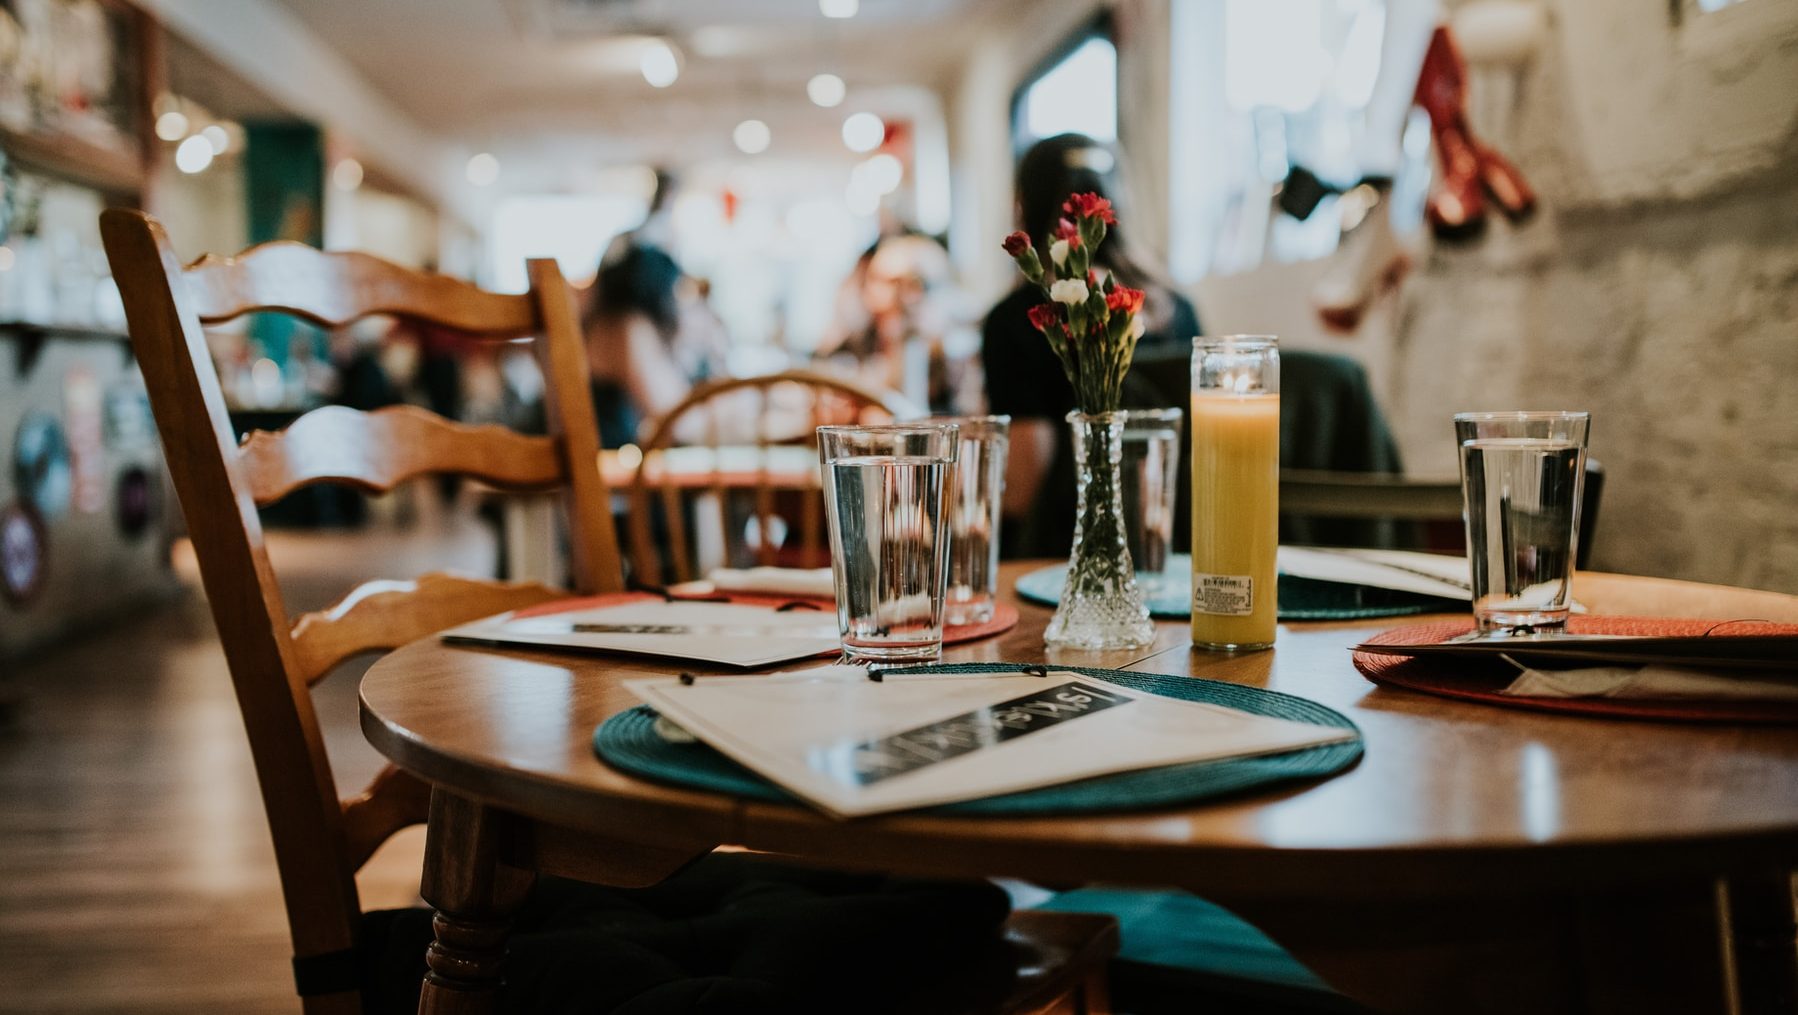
483,169
193,155
172,125
881,174
752,137
839,8
346,174
660,64
863,132
826,90
216,137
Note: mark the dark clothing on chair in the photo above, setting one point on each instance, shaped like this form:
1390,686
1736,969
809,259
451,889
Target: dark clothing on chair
1329,421
1024,380
730,934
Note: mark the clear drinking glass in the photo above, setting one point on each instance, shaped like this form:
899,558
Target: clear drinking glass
1521,477
1149,462
885,490
974,517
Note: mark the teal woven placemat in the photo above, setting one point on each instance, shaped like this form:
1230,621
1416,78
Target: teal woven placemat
1170,596
628,741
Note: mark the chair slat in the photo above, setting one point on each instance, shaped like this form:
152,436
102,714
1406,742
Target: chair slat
336,288
376,451
394,800
387,614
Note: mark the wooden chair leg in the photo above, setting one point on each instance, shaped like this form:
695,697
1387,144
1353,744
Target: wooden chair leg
474,895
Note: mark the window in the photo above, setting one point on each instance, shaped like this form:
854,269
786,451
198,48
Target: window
573,229
1265,85
1075,92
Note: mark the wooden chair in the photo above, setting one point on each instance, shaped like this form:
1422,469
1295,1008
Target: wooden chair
321,840
759,444
1378,496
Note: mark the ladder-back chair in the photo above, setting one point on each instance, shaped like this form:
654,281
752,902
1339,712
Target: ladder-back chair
759,439
320,840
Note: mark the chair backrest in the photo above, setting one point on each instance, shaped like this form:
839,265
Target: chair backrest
744,451
1374,496
320,841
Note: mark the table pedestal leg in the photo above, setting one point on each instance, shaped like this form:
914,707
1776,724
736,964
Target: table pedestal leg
475,895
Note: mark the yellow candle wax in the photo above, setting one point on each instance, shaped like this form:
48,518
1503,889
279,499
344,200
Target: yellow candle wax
1235,518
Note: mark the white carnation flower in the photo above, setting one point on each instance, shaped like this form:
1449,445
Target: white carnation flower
1071,291
1058,252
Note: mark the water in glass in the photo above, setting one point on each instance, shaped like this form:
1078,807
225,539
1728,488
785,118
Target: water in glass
1522,497
973,511
889,553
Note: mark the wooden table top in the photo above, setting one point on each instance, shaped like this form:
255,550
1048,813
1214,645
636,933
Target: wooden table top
1451,797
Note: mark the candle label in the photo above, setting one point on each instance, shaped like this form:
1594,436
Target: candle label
1224,595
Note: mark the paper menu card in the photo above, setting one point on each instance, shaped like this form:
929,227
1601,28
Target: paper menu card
857,747
723,633
1430,574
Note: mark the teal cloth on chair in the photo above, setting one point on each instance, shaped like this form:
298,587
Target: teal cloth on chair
1180,953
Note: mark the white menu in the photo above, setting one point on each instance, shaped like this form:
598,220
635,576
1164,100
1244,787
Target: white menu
855,746
723,633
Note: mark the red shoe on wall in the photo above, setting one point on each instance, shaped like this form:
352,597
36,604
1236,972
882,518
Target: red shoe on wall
1456,207
1471,171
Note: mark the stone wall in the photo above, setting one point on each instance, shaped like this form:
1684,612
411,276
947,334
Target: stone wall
1657,288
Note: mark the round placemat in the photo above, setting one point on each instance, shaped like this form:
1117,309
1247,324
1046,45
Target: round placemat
1473,679
1004,618
628,741
1170,596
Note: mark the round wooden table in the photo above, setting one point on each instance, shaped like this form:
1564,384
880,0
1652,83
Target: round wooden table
1478,858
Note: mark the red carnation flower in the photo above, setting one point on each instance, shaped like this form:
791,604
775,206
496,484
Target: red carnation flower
1044,316
1016,244
1067,230
1090,206
1124,300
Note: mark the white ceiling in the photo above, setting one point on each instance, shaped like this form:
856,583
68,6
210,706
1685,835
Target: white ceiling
553,86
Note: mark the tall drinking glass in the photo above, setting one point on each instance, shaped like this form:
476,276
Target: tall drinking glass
1149,465
885,490
974,517
1521,476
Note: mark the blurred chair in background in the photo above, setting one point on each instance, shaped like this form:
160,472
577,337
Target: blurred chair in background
746,492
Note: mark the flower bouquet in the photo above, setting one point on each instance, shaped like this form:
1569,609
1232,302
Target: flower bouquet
1092,323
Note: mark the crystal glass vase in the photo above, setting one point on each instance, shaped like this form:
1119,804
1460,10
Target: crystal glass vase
1101,606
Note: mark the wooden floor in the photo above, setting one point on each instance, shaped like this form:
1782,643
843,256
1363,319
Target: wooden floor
136,873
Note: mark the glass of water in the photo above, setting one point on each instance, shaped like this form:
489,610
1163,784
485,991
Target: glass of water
886,489
973,510
1521,477
1150,472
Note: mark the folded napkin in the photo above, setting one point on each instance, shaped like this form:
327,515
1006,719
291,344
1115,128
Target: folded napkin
1664,682
810,583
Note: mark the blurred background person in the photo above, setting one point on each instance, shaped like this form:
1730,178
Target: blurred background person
1023,378
913,337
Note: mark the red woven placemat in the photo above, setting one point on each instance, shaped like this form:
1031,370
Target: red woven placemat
1005,615
1482,679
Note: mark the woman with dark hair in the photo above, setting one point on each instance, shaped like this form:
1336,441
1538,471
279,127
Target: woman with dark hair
1024,379
633,316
